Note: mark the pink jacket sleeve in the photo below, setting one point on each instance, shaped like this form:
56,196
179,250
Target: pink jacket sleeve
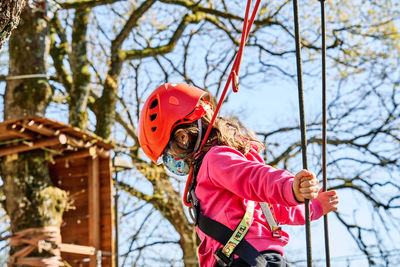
296,215
250,179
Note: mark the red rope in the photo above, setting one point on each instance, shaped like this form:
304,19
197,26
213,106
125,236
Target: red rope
233,75
245,33
238,59
188,183
236,65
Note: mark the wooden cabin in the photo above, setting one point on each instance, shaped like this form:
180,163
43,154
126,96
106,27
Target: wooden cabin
82,167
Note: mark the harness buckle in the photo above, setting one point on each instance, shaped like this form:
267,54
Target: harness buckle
222,259
276,231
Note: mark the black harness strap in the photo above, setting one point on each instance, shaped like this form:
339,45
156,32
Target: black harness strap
222,233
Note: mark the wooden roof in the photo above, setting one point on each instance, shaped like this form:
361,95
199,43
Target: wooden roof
28,133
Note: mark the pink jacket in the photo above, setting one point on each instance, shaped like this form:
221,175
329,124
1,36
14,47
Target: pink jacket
227,179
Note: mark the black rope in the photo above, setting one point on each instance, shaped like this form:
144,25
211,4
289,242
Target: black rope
324,139
302,125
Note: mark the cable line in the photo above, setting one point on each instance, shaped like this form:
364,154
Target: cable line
324,139
302,126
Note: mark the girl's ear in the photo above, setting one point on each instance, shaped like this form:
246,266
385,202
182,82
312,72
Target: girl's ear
182,138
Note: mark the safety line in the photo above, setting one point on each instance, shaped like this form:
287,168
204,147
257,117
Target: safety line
302,126
324,137
233,76
245,34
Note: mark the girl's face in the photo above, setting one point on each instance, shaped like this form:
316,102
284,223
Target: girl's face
180,144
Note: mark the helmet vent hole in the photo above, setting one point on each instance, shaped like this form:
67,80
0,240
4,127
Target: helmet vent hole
154,129
154,103
153,116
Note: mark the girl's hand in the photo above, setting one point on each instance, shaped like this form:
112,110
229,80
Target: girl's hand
329,201
305,186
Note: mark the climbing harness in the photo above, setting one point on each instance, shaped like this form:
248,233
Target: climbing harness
271,219
241,230
233,241
222,234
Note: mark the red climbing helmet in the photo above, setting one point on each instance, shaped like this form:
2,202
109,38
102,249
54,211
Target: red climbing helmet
169,105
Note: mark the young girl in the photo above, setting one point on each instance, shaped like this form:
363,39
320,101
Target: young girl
231,185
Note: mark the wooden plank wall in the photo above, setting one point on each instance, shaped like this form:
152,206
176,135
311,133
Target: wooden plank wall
77,228
107,211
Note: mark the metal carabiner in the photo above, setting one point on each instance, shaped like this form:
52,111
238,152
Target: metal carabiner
192,214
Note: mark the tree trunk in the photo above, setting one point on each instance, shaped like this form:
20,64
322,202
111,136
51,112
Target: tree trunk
10,11
173,211
80,71
31,199
28,50
169,203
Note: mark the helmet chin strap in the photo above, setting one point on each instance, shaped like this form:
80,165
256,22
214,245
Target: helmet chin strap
197,145
186,200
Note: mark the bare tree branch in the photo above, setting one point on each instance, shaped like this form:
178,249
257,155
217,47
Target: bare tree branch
79,4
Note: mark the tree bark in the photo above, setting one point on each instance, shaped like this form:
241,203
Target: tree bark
31,199
28,50
169,203
173,211
9,17
80,71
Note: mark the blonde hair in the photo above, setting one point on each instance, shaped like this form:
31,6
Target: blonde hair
225,132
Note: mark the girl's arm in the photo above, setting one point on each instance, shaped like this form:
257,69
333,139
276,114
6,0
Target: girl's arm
323,204
229,169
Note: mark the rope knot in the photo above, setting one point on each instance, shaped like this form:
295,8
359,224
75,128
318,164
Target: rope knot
40,239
